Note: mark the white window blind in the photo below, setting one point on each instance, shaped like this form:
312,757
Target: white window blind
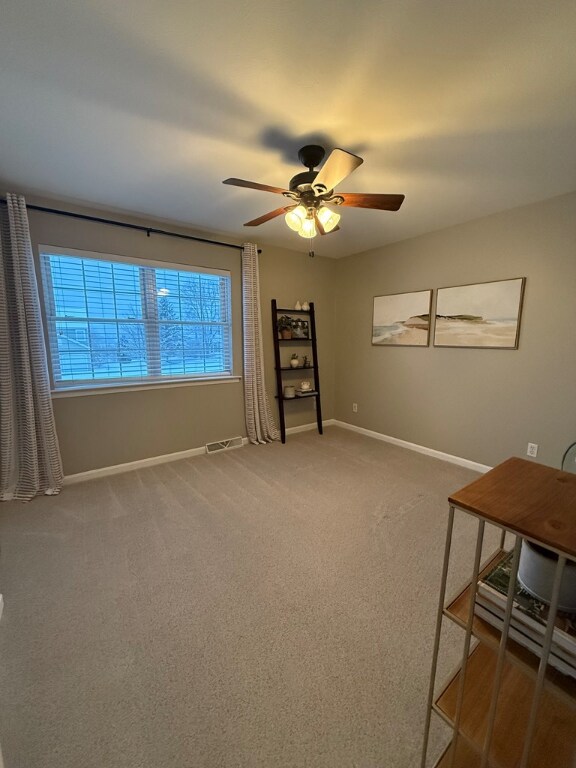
121,321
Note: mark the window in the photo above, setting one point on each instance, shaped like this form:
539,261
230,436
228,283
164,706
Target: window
126,321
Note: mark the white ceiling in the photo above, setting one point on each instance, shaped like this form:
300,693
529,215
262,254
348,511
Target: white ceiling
145,106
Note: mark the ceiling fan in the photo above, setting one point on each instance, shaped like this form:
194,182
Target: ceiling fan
313,191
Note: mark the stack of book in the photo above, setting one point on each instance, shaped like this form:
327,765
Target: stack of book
529,617
305,392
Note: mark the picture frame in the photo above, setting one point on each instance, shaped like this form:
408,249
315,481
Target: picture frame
480,315
402,319
300,328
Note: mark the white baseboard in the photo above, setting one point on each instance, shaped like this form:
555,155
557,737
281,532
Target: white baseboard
414,447
116,469
308,427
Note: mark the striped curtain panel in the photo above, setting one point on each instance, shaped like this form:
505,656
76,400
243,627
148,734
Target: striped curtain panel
259,421
29,455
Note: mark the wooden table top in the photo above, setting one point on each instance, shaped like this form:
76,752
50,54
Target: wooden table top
531,499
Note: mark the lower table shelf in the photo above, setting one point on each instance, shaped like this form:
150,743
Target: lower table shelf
466,756
554,744
457,610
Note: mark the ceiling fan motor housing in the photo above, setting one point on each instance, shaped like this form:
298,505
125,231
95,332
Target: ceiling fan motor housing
304,179
311,155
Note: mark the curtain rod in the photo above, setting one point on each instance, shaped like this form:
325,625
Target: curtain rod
141,228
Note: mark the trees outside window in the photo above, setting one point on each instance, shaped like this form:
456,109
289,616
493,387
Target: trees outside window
121,320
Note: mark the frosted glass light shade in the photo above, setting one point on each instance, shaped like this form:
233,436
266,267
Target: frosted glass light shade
295,217
329,219
308,228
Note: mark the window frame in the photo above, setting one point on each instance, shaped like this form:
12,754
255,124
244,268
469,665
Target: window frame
70,387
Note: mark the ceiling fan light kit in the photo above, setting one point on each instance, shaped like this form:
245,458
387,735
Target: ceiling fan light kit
312,190
307,222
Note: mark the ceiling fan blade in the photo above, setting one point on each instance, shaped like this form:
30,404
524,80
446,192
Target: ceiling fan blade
253,185
268,216
380,202
339,165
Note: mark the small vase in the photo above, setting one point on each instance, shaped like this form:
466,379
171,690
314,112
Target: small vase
306,306
294,362
297,306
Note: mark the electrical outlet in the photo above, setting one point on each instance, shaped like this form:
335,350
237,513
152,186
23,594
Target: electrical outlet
354,407
532,450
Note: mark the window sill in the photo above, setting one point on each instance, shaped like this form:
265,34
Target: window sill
104,389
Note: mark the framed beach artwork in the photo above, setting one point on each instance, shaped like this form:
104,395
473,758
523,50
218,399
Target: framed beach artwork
483,315
402,319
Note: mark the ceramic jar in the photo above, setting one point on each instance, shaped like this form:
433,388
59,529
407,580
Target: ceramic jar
536,573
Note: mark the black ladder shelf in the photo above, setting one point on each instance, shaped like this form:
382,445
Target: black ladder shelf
286,369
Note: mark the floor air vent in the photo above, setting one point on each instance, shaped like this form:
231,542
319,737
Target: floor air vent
224,445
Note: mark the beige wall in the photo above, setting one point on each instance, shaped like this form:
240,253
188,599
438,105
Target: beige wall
483,405
99,430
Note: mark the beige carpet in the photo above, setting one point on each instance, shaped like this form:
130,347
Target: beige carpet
268,606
